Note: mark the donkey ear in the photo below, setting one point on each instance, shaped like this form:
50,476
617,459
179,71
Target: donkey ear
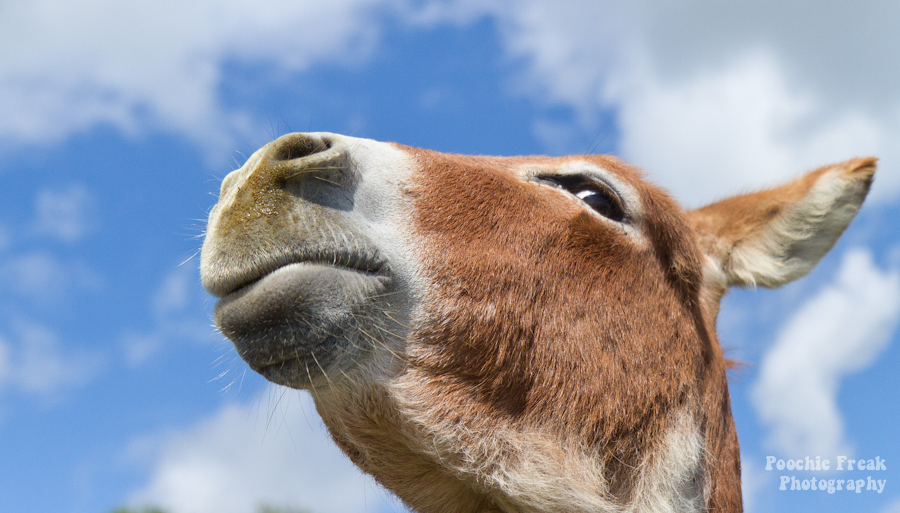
777,235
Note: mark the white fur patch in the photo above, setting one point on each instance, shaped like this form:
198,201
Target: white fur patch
795,241
535,472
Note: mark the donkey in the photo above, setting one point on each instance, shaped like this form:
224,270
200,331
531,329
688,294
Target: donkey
507,334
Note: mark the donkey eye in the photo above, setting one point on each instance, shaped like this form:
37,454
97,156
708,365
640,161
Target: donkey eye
597,195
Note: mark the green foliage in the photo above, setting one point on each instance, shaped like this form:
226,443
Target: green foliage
270,509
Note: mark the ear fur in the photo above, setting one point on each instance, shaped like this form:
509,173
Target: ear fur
777,235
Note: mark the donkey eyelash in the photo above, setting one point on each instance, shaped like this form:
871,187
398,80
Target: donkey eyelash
598,196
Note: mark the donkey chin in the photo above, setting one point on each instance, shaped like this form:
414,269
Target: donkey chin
515,334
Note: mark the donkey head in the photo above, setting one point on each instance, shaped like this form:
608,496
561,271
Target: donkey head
507,333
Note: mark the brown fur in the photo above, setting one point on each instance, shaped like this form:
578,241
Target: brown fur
563,325
552,359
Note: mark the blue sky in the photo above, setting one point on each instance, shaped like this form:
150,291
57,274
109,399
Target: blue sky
117,121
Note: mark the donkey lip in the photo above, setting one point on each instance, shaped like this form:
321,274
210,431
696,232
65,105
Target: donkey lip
290,372
250,277
295,322
299,282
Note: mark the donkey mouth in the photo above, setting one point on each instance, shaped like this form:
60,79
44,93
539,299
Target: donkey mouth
246,272
301,320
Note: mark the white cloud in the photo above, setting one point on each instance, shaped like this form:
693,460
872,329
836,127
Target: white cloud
68,65
839,331
753,480
6,368
893,507
139,348
172,295
65,214
37,364
178,308
275,453
713,98
837,48
44,278
735,128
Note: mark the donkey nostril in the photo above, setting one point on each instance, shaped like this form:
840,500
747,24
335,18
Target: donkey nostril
295,146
